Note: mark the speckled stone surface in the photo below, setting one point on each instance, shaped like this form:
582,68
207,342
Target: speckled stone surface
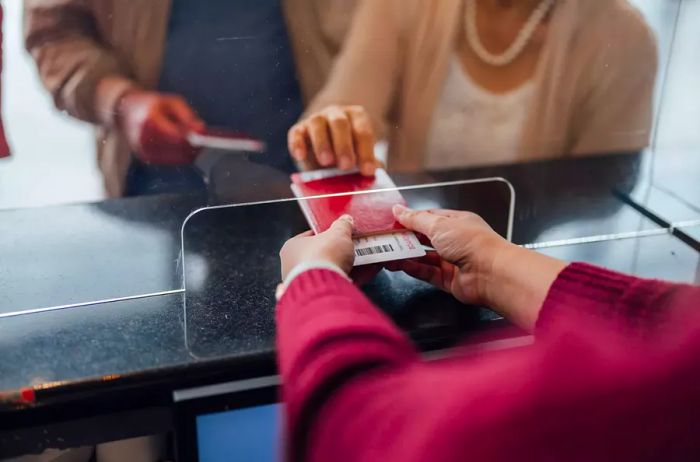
232,269
89,252
225,321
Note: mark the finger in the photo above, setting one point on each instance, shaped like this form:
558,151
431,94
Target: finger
320,140
430,258
163,143
343,226
183,114
428,273
307,233
420,221
423,239
341,137
296,141
364,139
164,127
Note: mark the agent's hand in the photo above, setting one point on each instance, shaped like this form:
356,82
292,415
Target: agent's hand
156,126
333,246
478,266
466,248
339,136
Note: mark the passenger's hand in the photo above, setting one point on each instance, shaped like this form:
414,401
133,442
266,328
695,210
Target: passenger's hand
333,246
478,266
156,126
466,247
339,136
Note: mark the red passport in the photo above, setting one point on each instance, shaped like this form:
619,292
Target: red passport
372,211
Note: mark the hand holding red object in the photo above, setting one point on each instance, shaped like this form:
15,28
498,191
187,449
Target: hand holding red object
156,126
333,246
339,136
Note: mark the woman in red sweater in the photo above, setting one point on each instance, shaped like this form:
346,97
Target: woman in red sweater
614,373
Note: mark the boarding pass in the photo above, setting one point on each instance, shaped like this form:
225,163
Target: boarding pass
398,245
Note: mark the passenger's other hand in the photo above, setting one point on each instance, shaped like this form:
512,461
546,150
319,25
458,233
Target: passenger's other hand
339,136
478,266
156,126
466,248
333,246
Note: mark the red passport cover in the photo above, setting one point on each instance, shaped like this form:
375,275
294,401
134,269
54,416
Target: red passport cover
372,212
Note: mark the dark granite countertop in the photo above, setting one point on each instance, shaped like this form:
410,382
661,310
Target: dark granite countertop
89,252
223,326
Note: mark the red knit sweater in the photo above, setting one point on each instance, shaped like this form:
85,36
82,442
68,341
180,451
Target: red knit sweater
614,375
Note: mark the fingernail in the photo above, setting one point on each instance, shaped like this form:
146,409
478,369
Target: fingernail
326,158
298,154
344,163
348,218
398,209
368,168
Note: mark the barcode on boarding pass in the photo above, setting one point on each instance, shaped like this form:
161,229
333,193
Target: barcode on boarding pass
396,245
374,250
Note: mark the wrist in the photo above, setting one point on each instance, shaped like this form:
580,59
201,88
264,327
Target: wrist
109,93
304,266
492,269
518,283
124,106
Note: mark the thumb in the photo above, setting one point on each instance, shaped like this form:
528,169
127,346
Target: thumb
343,226
182,114
420,221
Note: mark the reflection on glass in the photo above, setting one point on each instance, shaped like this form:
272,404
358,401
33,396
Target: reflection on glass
229,300
448,84
455,84
149,73
456,89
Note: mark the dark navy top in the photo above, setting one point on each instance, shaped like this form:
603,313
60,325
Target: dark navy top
232,61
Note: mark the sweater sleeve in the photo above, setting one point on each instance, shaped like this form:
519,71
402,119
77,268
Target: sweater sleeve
328,333
355,390
615,114
63,39
617,302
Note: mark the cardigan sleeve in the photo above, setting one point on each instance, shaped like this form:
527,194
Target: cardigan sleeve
355,390
615,112
72,60
367,70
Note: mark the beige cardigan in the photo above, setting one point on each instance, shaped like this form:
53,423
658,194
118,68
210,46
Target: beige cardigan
594,82
76,43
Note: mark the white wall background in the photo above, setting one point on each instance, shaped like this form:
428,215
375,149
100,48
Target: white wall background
53,159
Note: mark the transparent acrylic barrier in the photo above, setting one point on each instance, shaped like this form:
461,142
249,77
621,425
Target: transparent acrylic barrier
61,257
231,269
86,254
670,189
79,255
676,144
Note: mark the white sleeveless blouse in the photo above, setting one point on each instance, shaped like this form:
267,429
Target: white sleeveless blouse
472,126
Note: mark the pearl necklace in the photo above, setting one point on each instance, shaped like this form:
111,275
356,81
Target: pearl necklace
518,45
